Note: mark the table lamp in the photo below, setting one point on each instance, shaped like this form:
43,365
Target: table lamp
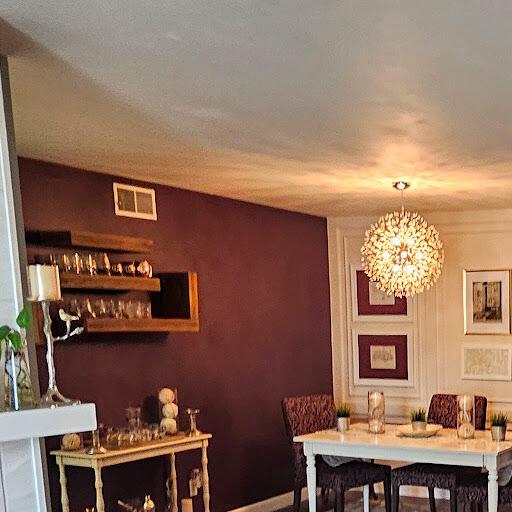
44,287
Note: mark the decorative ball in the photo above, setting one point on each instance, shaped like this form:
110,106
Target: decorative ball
170,425
170,411
71,442
166,396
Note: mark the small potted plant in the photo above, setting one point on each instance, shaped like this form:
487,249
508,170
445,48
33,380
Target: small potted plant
499,422
419,420
343,417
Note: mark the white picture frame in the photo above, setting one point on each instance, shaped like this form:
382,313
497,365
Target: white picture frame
486,362
382,318
486,301
384,330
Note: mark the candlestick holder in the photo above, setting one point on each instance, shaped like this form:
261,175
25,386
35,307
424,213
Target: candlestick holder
192,413
376,412
44,284
465,416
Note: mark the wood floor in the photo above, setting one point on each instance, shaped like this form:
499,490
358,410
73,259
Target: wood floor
354,503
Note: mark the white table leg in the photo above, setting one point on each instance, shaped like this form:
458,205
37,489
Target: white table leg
311,477
366,498
63,486
98,483
206,479
492,489
174,484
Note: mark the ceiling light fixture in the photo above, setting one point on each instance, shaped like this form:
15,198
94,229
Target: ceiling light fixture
401,253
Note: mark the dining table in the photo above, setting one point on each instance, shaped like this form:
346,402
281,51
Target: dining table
391,445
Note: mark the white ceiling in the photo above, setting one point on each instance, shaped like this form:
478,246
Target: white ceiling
310,105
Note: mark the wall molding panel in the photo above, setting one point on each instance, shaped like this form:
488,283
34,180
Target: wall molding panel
476,240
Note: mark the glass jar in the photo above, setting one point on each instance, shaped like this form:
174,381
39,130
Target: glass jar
376,412
465,416
18,387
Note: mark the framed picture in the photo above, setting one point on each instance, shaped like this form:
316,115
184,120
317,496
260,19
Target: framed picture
369,304
486,302
382,358
484,362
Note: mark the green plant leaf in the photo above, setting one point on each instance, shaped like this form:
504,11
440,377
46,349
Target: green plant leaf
15,339
24,318
4,331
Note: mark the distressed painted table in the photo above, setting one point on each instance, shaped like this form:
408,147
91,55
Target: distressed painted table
169,446
444,448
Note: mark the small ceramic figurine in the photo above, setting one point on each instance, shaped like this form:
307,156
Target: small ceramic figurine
149,504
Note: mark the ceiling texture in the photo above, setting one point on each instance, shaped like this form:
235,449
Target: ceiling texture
309,105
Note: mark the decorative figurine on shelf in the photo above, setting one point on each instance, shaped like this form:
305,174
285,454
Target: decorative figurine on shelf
192,413
15,385
169,421
44,286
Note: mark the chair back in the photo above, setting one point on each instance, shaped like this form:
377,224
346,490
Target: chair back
443,411
307,414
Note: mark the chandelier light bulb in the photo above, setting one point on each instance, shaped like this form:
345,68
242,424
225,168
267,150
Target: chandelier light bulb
402,253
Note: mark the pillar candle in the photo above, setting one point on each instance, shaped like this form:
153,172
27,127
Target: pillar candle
44,282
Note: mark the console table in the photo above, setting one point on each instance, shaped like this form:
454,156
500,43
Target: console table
168,446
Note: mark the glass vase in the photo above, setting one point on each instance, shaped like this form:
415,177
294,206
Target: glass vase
376,412
465,416
18,387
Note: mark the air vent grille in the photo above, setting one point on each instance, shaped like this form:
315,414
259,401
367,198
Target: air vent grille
135,202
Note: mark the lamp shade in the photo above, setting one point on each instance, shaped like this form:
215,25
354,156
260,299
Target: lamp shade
43,283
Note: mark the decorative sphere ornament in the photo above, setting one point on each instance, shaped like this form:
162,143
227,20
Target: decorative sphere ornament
170,425
166,396
170,411
71,442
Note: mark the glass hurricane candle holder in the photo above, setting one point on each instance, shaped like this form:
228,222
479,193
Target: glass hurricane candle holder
376,412
465,416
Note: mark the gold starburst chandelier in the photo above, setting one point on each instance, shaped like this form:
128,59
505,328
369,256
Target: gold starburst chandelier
401,253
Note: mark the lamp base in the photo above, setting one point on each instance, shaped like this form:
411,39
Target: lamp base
54,398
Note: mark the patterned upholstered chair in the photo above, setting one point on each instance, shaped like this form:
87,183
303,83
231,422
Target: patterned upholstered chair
443,411
472,491
307,414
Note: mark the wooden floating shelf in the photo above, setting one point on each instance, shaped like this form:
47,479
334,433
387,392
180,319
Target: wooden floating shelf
94,325
102,282
89,240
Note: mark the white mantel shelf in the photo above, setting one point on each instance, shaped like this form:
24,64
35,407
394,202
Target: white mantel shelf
31,423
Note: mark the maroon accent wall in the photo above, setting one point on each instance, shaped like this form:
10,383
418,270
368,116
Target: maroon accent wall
265,332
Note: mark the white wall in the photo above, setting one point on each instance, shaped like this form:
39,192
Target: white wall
476,240
21,472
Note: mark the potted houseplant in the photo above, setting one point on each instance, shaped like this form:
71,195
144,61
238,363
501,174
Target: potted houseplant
419,420
343,417
499,422
16,383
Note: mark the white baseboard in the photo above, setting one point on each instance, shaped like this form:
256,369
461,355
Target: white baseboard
286,500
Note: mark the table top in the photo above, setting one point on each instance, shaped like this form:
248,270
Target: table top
168,442
445,440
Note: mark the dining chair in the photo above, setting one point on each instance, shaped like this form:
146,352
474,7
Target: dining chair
472,491
307,414
443,411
